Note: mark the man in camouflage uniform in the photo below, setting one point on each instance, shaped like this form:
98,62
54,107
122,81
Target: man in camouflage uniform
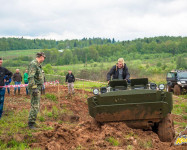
36,80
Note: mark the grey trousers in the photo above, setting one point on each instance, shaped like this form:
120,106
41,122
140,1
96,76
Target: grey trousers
70,88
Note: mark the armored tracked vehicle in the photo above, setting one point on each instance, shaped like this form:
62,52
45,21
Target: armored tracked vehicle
139,104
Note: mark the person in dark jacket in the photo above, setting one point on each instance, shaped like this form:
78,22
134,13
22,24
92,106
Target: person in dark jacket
17,78
70,79
3,73
119,71
7,82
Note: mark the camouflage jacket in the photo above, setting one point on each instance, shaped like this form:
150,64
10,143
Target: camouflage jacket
35,75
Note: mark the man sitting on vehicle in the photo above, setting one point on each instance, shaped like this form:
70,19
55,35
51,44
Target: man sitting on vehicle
119,71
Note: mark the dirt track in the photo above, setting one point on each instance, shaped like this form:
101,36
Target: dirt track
79,131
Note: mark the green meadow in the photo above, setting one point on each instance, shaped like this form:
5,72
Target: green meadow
15,126
17,53
153,66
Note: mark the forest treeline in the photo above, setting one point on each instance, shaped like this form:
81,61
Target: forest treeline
7,44
146,48
159,44
98,49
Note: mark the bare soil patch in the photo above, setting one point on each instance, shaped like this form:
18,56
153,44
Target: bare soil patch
78,130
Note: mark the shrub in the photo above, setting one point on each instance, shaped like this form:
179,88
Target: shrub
48,69
24,58
15,63
95,64
49,114
41,118
113,141
159,64
52,97
181,63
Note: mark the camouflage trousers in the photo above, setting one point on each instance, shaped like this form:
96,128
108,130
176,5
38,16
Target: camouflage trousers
35,106
70,88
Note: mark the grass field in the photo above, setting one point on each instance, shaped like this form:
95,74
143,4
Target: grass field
97,71
155,68
17,53
14,131
137,69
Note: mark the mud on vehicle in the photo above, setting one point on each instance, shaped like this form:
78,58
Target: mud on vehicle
139,104
177,82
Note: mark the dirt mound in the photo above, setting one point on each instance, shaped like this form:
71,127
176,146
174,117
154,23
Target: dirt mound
184,132
78,130
90,135
178,118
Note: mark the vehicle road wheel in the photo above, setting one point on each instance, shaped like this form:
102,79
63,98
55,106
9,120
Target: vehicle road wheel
166,130
169,89
177,90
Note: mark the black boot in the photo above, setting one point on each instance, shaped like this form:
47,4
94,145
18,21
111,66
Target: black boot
14,91
18,91
8,91
31,125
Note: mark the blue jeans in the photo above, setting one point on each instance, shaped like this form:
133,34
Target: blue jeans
17,83
2,94
26,88
8,89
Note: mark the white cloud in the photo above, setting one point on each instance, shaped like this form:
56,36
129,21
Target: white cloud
121,19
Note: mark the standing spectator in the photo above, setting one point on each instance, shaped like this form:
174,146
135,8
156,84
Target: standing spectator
17,78
70,79
26,80
7,82
36,81
3,73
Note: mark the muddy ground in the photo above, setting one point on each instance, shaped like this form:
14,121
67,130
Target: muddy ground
77,130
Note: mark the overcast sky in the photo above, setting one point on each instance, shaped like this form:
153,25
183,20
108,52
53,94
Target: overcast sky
75,19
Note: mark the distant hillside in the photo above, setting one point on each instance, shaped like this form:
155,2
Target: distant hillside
23,44
11,54
155,44
96,49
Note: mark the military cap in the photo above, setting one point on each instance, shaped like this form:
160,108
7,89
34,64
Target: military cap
40,54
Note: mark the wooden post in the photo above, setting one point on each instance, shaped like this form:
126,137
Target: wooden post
58,92
83,88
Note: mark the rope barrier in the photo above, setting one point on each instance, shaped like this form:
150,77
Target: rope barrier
51,82
79,79
25,85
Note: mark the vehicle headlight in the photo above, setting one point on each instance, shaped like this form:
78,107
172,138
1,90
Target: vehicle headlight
153,86
169,83
183,82
96,91
161,87
103,89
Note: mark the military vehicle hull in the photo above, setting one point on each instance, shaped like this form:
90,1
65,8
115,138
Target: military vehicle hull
138,105
137,108
130,105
